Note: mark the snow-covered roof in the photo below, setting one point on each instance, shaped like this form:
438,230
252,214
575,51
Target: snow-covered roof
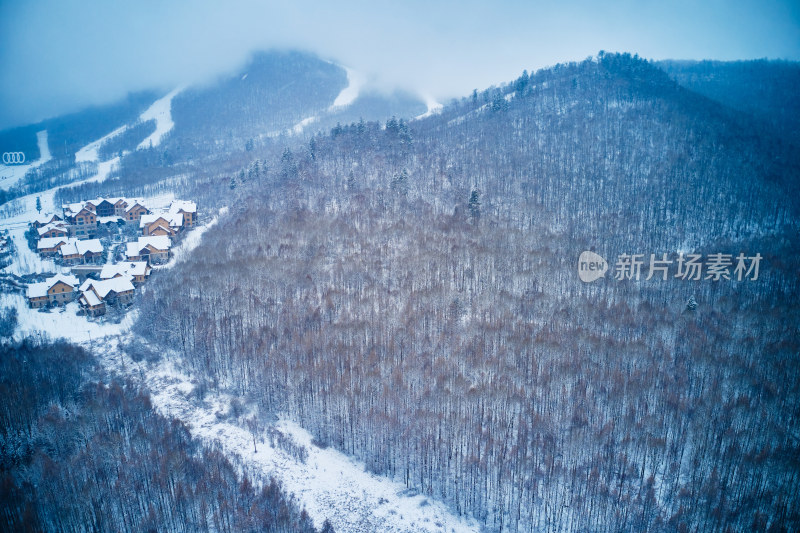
52,225
186,206
159,242
90,245
75,246
46,218
69,279
91,298
132,249
74,208
37,290
51,242
105,220
131,268
103,287
174,220
134,204
86,284
149,219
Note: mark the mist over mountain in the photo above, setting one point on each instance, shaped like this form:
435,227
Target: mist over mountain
275,96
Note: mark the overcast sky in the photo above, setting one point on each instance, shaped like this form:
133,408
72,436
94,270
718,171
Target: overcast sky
58,56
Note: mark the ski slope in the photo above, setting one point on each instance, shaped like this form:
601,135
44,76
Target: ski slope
161,112
89,153
347,96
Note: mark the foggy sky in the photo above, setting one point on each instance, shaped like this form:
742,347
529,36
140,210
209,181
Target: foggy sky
58,56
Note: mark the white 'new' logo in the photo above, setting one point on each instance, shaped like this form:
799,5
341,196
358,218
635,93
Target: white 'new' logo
591,267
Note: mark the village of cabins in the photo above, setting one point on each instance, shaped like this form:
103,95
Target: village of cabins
71,240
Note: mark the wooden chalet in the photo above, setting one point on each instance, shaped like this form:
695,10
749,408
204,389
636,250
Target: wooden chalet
154,250
57,290
50,246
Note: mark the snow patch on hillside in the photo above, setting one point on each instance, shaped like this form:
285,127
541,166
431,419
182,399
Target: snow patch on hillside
26,260
328,484
189,242
348,95
11,174
161,112
297,129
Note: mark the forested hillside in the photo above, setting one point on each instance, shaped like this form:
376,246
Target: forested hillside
78,456
408,291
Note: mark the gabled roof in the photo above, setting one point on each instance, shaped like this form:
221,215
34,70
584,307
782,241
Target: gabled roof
186,206
90,298
134,205
69,279
132,249
52,225
131,268
81,247
176,220
86,285
47,218
72,209
51,242
37,290
103,287
159,242
146,220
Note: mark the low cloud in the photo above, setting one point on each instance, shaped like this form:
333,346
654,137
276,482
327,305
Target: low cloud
59,55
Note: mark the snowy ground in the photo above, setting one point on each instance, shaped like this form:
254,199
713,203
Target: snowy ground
62,322
297,129
190,241
11,174
161,112
328,484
